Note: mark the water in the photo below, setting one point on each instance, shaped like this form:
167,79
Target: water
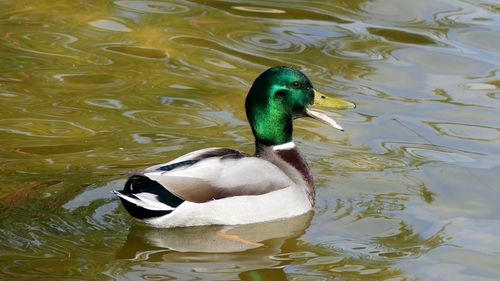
91,90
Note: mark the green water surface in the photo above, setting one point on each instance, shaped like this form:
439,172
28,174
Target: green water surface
92,90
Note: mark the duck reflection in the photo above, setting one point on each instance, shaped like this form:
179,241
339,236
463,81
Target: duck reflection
251,251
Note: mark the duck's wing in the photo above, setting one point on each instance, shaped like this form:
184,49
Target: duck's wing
196,156
218,173
213,173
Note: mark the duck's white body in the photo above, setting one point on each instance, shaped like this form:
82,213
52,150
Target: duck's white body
279,204
225,187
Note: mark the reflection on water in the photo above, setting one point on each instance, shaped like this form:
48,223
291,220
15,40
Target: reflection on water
249,250
91,90
210,239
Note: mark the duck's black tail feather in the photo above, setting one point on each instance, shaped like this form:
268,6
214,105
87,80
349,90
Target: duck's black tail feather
144,198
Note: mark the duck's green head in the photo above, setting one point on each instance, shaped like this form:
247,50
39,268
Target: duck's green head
279,95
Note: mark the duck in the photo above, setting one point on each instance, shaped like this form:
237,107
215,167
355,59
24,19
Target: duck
224,186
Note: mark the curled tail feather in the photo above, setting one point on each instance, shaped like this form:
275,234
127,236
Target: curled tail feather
144,198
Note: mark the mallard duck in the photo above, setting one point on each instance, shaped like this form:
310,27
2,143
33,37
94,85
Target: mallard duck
223,186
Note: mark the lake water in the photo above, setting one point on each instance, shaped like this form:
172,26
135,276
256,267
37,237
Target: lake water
92,90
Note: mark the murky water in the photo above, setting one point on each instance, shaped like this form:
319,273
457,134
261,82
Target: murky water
90,90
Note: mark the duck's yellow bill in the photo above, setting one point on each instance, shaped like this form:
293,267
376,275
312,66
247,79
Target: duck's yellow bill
321,100
324,101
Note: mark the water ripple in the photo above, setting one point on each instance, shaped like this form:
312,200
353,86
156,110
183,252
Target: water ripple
170,120
85,78
110,25
155,7
265,42
255,9
485,39
51,44
401,36
467,131
424,153
355,49
53,149
364,162
45,43
227,52
278,11
185,103
105,103
44,128
416,12
495,96
142,52
219,62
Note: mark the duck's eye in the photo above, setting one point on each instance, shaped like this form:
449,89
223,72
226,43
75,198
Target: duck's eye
296,85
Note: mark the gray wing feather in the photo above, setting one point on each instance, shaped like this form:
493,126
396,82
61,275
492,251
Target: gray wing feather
218,177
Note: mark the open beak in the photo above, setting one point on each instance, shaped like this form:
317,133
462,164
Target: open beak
324,101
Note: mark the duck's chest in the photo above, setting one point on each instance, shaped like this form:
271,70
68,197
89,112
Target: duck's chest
291,161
